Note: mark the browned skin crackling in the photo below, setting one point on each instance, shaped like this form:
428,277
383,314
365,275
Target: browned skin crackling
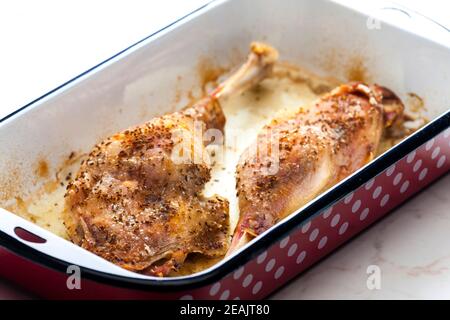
318,147
133,205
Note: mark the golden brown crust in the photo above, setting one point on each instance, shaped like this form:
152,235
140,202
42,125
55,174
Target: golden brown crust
316,148
136,204
133,205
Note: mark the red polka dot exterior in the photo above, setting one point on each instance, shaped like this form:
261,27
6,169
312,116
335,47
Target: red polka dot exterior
284,259
333,227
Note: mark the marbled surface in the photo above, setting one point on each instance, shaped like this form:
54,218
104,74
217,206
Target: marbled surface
411,246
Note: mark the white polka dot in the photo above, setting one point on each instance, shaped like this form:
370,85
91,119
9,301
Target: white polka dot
343,228
417,165
322,242
214,289
390,171
423,174
237,298
447,133
284,242
335,220
314,235
429,145
292,250
279,272
270,265
410,157
187,297
356,206
384,200
348,198
301,257
305,227
369,184
248,279
364,214
441,162
398,178
377,192
238,273
257,287
435,153
261,257
327,213
225,295
404,186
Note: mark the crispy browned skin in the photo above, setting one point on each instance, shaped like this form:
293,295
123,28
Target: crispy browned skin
133,205
317,147
137,206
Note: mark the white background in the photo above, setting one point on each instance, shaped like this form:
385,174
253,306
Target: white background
47,42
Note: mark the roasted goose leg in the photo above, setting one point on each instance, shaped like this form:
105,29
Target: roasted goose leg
299,156
137,200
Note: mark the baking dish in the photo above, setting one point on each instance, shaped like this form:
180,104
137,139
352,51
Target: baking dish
141,82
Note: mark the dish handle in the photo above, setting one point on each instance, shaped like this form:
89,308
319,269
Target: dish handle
400,16
15,230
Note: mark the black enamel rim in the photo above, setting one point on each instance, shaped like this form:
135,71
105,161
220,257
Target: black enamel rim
273,235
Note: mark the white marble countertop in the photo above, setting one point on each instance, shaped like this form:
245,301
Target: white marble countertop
410,246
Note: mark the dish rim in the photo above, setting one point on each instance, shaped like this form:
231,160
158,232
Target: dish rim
255,247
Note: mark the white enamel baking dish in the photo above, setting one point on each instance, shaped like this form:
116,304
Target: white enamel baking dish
139,83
